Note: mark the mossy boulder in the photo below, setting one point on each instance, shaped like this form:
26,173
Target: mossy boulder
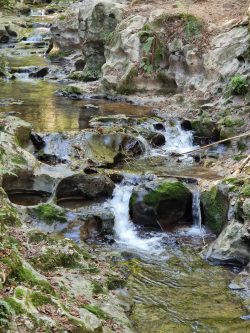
167,205
50,213
215,204
205,129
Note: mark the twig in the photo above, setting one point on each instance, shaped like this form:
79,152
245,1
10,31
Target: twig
216,143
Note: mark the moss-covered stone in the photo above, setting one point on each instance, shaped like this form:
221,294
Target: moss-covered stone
166,191
215,205
96,311
50,213
115,282
205,127
165,205
62,254
22,271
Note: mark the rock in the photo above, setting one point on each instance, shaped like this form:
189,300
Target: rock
4,38
10,32
186,125
233,243
37,140
222,61
96,226
205,130
20,129
167,205
158,140
215,205
80,64
94,27
40,73
87,187
159,127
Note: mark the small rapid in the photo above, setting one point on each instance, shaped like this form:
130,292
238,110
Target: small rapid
177,139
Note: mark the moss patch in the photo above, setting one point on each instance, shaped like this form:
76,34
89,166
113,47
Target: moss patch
96,311
166,191
215,207
50,213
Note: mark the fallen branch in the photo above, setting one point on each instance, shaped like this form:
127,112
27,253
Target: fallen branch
217,142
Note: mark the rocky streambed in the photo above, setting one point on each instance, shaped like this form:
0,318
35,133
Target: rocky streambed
107,223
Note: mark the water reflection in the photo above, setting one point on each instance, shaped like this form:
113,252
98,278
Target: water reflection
50,113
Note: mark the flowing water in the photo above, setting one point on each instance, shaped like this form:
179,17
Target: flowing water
126,233
171,288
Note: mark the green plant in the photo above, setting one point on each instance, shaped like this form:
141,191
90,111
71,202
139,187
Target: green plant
192,27
153,50
238,85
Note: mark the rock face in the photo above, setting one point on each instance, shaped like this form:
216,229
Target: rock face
95,26
135,53
228,54
233,243
167,205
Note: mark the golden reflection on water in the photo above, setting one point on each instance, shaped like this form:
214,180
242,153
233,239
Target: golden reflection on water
48,112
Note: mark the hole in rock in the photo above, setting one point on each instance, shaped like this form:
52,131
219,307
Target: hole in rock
27,189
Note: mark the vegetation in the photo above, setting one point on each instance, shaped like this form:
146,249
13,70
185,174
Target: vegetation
96,311
50,213
238,85
167,190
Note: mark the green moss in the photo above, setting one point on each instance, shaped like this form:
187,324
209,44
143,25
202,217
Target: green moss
232,122
238,85
39,299
6,314
132,201
36,236
8,216
96,311
97,288
215,207
52,259
114,282
23,273
245,191
239,157
19,160
166,191
17,308
50,213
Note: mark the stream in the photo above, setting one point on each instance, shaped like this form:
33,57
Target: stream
171,288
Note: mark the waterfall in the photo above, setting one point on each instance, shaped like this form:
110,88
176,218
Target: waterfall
126,233
177,140
196,212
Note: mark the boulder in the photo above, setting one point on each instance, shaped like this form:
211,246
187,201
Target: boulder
233,243
166,205
158,140
40,73
215,205
19,128
85,187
